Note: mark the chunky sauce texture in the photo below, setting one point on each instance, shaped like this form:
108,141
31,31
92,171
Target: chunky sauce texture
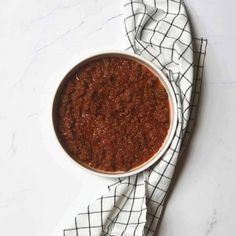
113,114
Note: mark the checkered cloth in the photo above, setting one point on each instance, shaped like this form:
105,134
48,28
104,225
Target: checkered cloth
158,30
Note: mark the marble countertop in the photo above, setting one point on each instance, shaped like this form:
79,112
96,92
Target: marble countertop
37,38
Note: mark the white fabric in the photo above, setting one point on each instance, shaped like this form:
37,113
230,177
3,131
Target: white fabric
158,30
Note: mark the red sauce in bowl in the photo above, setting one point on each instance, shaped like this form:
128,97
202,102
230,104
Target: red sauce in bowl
112,114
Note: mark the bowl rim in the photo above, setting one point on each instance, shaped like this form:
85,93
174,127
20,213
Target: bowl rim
173,107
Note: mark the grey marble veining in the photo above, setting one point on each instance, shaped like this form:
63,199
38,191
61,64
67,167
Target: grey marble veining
37,192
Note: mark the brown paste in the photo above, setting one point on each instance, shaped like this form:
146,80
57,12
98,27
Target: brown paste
113,114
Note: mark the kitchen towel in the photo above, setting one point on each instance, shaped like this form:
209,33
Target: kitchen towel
158,30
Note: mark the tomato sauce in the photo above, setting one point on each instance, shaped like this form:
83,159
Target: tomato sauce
113,114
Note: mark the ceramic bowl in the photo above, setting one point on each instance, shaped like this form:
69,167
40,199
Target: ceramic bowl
173,114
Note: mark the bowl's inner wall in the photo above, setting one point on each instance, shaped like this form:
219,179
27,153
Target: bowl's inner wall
62,86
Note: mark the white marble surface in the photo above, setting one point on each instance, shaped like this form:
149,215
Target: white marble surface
38,38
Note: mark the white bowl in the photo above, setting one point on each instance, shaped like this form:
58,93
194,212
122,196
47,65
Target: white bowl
173,114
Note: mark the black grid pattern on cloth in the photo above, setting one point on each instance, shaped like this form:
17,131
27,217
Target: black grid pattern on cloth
158,30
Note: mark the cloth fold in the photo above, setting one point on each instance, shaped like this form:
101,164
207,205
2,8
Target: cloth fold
158,30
